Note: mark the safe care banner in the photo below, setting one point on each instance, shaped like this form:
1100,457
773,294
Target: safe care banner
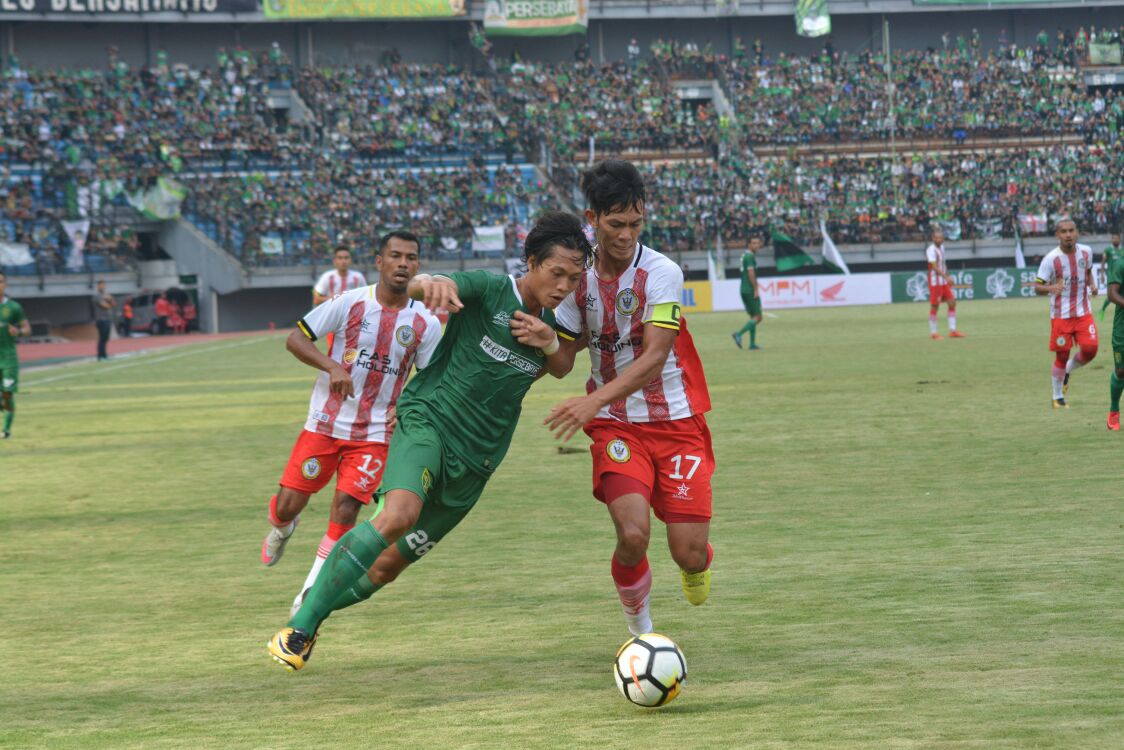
301,9
128,7
536,17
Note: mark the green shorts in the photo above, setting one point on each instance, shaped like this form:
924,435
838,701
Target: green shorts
9,376
1117,355
418,461
752,304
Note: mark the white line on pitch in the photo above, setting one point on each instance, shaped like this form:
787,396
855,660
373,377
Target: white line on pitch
150,361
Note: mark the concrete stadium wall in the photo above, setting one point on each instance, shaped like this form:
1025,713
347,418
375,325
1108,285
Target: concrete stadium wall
43,44
255,309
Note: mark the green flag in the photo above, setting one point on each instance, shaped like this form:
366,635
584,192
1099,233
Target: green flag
787,254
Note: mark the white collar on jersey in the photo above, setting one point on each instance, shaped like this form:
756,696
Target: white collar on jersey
515,288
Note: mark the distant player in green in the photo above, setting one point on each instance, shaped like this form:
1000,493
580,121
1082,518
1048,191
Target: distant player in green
13,323
455,420
1116,378
751,294
1112,253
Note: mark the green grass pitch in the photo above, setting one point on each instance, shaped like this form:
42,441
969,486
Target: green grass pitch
913,551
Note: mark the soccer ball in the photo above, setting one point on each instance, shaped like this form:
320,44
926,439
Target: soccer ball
650,670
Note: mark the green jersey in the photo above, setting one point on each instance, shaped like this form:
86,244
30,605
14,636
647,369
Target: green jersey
11,314
472,390
749,260
1116,276
1111,255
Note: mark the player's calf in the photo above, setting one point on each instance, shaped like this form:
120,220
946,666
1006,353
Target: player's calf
274,545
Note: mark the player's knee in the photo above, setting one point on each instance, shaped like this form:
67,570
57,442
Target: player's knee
346,510
1088,352
633,539
290,502
392,523
690,555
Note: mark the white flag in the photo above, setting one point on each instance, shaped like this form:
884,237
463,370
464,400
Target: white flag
76,232
1020,260
831,254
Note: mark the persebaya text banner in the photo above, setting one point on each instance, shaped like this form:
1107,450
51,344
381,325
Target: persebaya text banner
127,7
536,17
300,9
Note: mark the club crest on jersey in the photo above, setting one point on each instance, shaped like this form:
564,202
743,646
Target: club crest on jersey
628,302
426,480
406,336
311,468
617,450
350,356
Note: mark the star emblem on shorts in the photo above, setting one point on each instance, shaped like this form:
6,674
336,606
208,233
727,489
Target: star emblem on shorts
363,483
683,491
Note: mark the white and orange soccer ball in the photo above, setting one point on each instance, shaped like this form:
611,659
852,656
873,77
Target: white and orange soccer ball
650,670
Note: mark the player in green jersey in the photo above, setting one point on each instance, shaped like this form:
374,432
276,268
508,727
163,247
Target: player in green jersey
1116,377
751,294
455,420
13,323
1112,253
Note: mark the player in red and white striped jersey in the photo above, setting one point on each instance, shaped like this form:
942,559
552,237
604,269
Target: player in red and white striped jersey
940,287
339,280
379,335
1066,274
646,395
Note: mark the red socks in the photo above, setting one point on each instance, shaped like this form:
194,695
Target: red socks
335,531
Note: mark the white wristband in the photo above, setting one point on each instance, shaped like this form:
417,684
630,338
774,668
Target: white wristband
552,347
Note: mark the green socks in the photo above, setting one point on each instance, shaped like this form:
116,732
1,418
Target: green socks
752,326
345,568
360,592
1115,388
11,413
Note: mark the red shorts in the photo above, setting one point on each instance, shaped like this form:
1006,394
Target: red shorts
674,460
315,458
1064,331
941,293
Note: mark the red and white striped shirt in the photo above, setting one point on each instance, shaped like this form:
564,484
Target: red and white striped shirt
378,346
613,313
1070,268
331,283
935,255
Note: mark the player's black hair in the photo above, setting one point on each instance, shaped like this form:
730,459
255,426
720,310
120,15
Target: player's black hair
555,228
399,234
342,249
613,185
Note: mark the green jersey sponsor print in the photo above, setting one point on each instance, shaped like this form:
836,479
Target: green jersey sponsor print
749,260
473,388
11,314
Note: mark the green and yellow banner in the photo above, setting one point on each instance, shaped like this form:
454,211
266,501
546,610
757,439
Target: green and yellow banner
304,9
536,17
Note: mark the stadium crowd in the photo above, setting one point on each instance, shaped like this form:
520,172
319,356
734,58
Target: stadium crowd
75,143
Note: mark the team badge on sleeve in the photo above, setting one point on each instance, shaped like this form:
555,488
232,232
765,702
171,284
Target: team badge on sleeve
426,480
311,468
628,302
406,336
617,450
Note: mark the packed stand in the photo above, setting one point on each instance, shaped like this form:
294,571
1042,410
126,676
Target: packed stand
872,200
301,215
621,105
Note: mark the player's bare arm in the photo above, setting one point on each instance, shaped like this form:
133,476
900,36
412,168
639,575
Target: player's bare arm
1092,284
943,274
1114,295
435,292
339,379
318,298
566,418
1041,287
532,331
24,329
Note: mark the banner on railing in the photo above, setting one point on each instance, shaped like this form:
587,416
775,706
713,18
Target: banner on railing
488,240
301,9
272,245
161,201
1104,54
536,17
96,8
76,232
812,18
15,254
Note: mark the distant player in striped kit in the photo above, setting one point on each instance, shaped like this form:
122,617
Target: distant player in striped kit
646,396
940,288
1066,274
380,335
337,281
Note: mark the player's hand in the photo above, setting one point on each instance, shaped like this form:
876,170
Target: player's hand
440,294
340,383
570,415
531,331
391,417
15,332
1057,287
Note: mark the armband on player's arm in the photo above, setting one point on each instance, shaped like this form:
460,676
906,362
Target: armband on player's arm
666,315
306,329
565,334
